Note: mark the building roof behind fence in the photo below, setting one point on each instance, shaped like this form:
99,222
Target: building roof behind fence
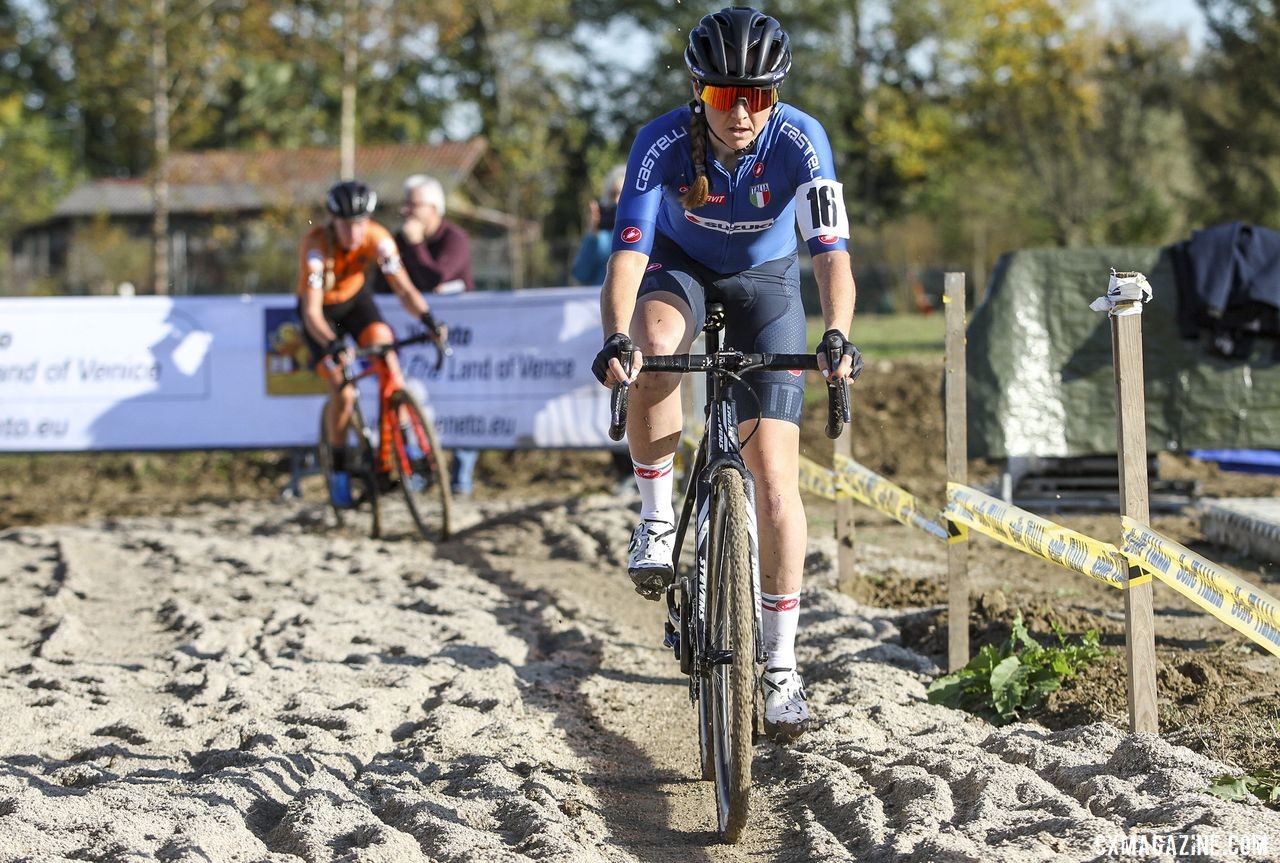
218,181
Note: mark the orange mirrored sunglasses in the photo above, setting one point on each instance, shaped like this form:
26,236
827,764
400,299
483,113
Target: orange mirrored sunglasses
723,98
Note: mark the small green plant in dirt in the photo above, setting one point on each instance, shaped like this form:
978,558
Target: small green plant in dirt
1002,683
1263,784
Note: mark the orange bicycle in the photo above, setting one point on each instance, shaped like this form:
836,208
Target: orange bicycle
402,449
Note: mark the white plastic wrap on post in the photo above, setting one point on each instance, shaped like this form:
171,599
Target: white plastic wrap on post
1125,295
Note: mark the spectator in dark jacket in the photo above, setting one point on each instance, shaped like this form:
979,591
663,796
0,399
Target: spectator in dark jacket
437,257
593,253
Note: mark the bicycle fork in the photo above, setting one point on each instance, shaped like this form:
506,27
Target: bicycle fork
687,598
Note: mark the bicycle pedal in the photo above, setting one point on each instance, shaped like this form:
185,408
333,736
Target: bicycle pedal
783,733
651,584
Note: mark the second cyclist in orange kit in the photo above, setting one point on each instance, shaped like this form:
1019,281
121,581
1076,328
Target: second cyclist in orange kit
335,299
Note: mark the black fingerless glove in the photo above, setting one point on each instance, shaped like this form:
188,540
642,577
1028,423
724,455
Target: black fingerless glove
336,347
429,321
613,348
834,346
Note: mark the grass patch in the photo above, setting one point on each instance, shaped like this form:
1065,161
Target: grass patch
898,336
1002,684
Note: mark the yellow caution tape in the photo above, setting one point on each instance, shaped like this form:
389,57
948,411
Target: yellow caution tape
1035,535
818,480
1226,596
868,487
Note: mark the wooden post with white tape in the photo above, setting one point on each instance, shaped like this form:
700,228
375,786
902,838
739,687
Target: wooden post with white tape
957,425
1125,295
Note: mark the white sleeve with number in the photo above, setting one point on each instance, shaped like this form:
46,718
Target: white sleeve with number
820,209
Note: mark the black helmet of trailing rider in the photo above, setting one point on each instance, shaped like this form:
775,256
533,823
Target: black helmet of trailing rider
351,199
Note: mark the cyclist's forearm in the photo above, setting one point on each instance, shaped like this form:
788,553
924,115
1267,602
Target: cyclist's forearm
315,324
618,297
836,289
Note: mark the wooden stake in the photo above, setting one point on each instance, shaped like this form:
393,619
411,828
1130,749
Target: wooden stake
1131,444
846,557
957,470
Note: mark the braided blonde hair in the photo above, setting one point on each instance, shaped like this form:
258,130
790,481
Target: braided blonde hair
700,188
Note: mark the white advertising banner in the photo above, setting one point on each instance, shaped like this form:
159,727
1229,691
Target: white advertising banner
122,373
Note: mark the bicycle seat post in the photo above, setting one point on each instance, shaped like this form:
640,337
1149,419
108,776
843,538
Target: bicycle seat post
713,325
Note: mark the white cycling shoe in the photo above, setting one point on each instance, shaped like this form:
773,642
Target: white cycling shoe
649,557
786,715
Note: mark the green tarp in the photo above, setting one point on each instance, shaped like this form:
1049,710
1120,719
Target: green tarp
1040,375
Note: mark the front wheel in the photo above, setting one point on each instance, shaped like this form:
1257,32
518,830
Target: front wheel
360,466
731,651
419,465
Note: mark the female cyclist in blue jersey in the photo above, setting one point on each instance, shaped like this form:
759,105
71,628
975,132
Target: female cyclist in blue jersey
713,194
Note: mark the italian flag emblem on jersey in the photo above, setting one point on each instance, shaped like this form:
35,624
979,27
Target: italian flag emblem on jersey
760,194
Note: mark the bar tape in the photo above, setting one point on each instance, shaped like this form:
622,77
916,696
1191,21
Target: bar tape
1039,536
1247,609
869,488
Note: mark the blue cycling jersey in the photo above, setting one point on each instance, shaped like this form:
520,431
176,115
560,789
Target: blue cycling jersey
787,179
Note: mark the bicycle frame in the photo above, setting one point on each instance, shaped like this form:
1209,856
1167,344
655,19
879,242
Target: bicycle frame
377,365
711,604
719,450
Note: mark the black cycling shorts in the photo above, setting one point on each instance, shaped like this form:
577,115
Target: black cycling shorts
763,314
349,317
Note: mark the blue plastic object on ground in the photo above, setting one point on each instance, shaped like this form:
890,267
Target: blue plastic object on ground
1241,460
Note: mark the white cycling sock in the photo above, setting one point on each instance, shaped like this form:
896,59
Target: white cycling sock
655,482
779,617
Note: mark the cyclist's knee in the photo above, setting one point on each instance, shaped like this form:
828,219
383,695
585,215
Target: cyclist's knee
377,333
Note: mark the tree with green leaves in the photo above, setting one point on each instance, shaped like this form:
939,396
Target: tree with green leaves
1233,112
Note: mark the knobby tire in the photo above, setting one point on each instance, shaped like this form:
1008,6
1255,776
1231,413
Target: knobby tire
731,627
430,505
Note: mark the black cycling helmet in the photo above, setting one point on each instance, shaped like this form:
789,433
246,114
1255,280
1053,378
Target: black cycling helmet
351,199
738,46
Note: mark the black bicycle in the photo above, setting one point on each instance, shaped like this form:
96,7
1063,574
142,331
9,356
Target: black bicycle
402,450
717,602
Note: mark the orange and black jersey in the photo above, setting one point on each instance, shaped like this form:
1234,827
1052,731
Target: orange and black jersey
344,269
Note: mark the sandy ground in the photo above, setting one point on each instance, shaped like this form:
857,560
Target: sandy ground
241,684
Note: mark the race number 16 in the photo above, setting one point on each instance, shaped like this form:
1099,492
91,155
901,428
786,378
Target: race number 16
820,210
822,206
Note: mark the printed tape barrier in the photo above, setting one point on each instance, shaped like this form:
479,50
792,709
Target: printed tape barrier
873,490
1226,596
817,479
1041,537
1247,609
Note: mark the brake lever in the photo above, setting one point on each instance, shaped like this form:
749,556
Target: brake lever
620,398
838,412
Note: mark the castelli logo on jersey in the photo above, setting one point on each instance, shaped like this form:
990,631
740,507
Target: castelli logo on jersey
682,189
758,170
825,239
795,373
652,267
787,604
632,235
